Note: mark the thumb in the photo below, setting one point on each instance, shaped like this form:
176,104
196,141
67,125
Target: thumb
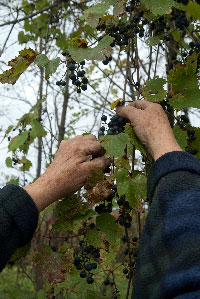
128,112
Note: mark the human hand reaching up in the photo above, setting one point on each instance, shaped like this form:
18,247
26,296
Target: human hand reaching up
151,125
69,170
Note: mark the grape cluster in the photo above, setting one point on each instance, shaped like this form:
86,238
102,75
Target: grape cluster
116,125
83,263
77,74
133,244
106,206
125,218
121,32
184,2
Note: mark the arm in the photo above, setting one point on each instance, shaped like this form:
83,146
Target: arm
20,207
18,220
168,263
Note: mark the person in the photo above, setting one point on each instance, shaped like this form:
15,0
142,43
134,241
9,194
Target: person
168,262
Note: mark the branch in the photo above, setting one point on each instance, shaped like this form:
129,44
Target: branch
31,15
110,79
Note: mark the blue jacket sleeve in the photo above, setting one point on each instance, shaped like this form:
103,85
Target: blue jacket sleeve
18,220
168,262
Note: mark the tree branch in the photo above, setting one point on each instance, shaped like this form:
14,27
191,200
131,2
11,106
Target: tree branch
31,15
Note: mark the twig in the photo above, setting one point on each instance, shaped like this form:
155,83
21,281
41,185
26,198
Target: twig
127,66
156,59
31,15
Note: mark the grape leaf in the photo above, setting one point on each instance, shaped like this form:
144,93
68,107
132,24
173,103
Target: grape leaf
159,7
154,90
26,164
22,38
134,140
95,12
125,186
192,8
153,40
106,224
18,65
115,145
97,53
185,90
93,238
17,141
9,162
42,60
181,136
50,65
37,129
133,188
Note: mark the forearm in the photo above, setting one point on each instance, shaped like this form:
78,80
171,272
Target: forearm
40,194
163,148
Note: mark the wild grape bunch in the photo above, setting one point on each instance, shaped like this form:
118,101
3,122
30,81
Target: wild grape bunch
115,126
77,74
82,261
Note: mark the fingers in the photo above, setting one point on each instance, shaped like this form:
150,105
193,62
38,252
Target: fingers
130,113
92,148
100,162
86,137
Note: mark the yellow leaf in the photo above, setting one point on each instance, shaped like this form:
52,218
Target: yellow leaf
114,104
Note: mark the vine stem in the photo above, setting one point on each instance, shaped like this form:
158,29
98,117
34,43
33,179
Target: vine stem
127,66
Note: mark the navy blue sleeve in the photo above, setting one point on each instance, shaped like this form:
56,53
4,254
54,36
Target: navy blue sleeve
18,220
168,262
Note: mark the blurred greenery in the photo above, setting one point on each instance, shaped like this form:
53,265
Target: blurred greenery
14,283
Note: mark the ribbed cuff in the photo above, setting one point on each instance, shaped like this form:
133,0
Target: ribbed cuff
169,162
20,206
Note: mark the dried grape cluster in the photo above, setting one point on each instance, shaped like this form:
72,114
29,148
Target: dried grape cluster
77,74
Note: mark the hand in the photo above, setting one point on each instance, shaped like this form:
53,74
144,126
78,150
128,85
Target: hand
151,125
69,170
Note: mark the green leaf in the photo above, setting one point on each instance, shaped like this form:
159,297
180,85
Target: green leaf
42,60
154,90
184,84
106,224
18,65
93,238
192,8
9,162
22,38
51,67
153,40
26,164
115,145
17,141
14,181
95,12
181,137
126,186
70,210
37,129
97,53
159,7
9,129
133,139
93,294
